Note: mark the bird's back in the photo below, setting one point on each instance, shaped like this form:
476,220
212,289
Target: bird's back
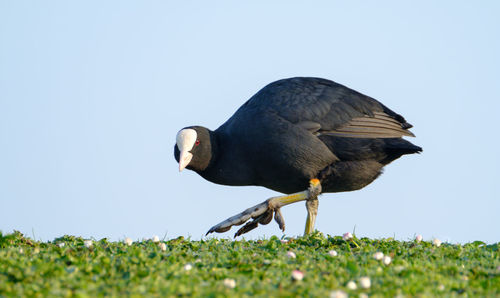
294,129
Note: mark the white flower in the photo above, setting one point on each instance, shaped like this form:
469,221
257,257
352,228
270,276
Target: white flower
21,250
88,243
188,267
386,260
297,275
61,244
441,287
378,255
163,246
437,242
291,255
363,295
155,239
419,238
347,236
128,241
351,285
229,283
365,282
333,253
338,294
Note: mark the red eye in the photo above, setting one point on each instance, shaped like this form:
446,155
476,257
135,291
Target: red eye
197,142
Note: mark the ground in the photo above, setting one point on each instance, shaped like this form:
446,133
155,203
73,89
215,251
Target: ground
71,266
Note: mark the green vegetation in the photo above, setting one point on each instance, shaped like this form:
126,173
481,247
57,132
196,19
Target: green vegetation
69,266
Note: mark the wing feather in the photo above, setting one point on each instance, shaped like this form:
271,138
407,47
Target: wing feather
380,125
324,107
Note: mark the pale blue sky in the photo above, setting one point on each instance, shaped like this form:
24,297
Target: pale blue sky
92,94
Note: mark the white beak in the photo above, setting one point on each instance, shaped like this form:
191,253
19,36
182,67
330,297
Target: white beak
185,142
184,159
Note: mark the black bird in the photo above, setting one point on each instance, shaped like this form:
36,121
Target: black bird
298,136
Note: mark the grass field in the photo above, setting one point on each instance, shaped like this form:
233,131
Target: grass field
71,266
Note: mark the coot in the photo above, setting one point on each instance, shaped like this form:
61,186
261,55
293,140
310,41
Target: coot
299,136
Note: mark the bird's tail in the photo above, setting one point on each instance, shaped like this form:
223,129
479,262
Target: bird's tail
397,147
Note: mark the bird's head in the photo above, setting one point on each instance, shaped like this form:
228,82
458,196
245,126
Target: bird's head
193,148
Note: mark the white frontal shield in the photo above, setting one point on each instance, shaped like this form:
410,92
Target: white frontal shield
185,142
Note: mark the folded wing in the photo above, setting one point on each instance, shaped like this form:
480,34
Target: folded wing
326,108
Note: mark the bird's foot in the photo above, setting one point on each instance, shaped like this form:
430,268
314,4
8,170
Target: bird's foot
263,212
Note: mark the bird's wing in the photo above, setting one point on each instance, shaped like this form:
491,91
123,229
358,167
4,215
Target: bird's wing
327,108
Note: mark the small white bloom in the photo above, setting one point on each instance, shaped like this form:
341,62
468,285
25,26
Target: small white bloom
399,268
351,285
163,246
347,236
386,260
363,295
155,239
419,238
365,282
128,241
291,255
338,294
88,243
188,267
21,250
441,287
333,253
437,242
378,255
61,244
297,275
229,283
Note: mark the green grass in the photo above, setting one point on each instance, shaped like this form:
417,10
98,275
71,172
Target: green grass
33,268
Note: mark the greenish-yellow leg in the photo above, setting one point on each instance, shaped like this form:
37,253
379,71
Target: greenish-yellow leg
312,212
263,212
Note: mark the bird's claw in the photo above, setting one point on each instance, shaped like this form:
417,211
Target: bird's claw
261,213
278,217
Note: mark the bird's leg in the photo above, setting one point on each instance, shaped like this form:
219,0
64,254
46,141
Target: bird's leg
312,211
263,212
312,206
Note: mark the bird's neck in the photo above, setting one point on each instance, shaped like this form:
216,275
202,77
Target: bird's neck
214,150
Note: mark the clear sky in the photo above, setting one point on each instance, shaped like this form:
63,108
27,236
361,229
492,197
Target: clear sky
92,94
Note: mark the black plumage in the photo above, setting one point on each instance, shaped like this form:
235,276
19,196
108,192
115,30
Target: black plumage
298,129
